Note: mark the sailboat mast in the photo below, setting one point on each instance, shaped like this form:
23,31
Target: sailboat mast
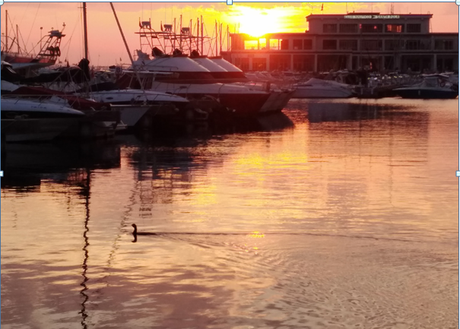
202,38
198,34
127,49
85,32
217,36
180,33
6,30
122,34
220,39
17,38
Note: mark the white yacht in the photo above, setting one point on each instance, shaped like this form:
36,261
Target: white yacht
25,120
181,75
318,88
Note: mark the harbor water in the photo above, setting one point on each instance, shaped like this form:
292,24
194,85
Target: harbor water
332,214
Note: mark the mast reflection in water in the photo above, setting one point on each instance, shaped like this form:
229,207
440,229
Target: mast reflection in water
337,214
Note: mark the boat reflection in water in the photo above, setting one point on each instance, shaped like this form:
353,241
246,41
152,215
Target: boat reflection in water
27,165
343,209
335,111
208,129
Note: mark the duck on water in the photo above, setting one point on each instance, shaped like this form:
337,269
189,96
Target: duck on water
135,233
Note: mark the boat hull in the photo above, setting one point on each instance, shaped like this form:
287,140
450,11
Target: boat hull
240,99
34,129
319,88
276,102
131,114
312,92
244,104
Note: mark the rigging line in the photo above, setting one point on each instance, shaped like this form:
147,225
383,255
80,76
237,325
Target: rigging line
33,23
67,44
24,13
12,29
22,39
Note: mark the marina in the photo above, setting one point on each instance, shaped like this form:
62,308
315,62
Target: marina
177,83
214,182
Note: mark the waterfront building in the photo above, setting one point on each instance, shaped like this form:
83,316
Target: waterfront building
353,41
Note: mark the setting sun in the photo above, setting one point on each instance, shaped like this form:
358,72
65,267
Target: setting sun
256,22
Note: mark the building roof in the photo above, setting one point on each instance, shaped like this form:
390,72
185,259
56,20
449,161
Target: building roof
367,15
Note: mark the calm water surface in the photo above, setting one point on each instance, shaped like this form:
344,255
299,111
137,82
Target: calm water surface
336,214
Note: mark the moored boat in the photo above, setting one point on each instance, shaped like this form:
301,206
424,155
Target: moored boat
196,77
318,88
99,119
137,107
193,81
25,120
49,50
225,71
434,86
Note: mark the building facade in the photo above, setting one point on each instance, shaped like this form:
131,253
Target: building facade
353,41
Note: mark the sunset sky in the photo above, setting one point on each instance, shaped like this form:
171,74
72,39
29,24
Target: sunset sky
106,45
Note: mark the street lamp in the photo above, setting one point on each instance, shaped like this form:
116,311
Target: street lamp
41,28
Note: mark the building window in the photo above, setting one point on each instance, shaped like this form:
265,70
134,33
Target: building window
329,44
303,62
259,64
274,44
414,28
280,62
371,45
242,63
371,28
307,44
329,28
297,44
262,43
250,44
444,44
394,28
425,44
448,45
348,44
439,44
413,44
285,44
389,63
348,28
394,44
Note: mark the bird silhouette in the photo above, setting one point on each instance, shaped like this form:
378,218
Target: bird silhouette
135,232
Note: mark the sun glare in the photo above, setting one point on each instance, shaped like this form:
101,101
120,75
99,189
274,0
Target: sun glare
256,22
